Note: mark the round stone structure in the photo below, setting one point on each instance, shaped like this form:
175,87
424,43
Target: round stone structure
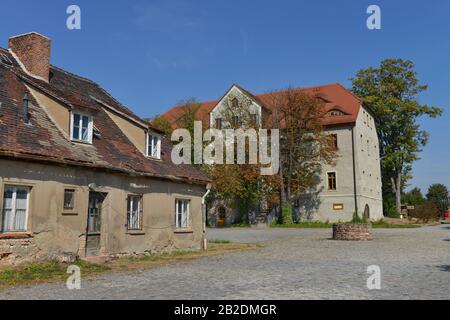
352,232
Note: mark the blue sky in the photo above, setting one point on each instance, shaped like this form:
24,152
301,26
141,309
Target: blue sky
152,54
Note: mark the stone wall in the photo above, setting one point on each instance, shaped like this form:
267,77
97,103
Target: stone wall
17,250
354,232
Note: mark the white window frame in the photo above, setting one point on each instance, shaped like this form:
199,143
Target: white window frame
179,224
140,212
151,145
80,128
13,213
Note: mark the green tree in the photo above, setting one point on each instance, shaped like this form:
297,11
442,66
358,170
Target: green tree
187,119
304,144
163,124
413,197
241,184
391,92
438,194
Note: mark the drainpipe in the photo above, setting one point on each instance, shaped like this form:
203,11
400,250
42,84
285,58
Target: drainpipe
204,240
354,170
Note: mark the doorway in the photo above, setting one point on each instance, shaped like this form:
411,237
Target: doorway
221,217
94,218
367,213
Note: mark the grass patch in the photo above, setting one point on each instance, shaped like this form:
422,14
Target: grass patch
381,224
53,271
219,241
155,260
30,273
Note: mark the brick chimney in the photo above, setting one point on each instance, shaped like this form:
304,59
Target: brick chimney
33,51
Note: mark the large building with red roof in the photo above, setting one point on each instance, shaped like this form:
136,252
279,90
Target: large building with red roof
353,184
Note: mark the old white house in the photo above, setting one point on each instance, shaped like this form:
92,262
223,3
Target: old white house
353,184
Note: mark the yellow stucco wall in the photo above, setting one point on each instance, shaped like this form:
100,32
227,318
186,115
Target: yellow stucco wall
57,112
136,134
56,230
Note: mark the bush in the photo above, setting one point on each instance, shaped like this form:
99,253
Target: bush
286,214
389,208
426,212
438,194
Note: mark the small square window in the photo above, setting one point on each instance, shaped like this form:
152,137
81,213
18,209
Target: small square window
69,199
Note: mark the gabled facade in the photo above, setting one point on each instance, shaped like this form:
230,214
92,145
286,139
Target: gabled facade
80,174
353,184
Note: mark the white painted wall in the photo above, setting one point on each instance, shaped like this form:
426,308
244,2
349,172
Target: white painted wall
319,203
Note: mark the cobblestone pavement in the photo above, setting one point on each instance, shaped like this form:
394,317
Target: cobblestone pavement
293,264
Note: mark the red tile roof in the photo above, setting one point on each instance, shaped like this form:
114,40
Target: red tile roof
335,97
42,141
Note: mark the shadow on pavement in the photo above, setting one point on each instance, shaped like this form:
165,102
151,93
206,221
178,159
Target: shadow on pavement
444,268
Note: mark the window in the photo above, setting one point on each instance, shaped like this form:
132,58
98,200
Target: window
334,113
218,123
331,181
235,121
338,206
234,103
182,213
154,146
15,209
69,199
81,128
334,141
134,213
254,119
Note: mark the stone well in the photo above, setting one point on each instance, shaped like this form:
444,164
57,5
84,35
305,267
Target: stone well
352,232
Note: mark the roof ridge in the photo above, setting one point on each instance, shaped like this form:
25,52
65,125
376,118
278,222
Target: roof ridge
99,87
354,95
73,74
304,88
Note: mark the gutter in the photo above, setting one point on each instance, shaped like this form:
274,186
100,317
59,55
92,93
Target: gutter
73,163
204,240
354,170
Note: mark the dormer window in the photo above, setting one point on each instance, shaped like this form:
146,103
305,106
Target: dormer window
81,128
154,146
334,113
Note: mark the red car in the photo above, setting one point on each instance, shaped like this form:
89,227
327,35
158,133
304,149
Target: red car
446,215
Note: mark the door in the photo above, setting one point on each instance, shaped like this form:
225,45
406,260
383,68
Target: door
93,232
367,213
221,217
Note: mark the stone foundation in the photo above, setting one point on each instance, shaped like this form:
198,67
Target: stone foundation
352,232
18,250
